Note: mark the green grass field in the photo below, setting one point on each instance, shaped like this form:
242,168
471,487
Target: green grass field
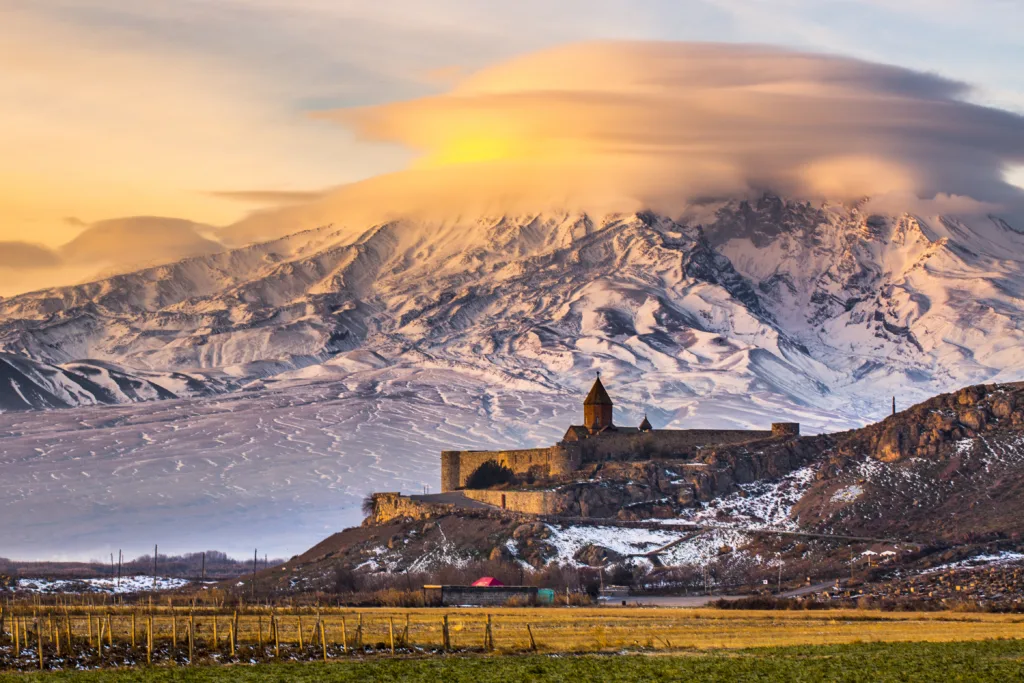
990,660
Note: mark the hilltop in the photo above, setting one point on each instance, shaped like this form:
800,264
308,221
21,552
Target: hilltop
934,484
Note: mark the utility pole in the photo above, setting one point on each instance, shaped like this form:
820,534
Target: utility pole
155,549
893,405
254,572
202,574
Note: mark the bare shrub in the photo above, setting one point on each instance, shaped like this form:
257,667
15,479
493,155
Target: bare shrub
369,506
490,474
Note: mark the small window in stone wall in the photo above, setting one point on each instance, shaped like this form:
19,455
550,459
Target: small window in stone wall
490,474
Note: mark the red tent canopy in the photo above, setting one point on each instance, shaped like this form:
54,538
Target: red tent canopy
488,581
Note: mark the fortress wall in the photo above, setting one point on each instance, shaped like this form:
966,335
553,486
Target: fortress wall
785,429
567,457
662,443
529,502
458,466
388,506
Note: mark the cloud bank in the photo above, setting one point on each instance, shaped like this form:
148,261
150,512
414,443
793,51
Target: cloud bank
623,126
103,248
620,126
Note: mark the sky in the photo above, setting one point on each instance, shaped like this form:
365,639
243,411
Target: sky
207,110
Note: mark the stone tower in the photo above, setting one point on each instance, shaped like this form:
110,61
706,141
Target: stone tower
597,408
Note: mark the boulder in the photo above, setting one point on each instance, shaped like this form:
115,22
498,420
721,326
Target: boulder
529,530
596,556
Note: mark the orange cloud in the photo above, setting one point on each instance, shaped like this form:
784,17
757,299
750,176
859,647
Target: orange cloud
652,125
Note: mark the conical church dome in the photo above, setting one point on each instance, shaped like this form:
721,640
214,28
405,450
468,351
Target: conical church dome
597,408
597,396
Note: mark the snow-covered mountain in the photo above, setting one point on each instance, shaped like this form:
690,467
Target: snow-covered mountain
811,305
341,360
30,384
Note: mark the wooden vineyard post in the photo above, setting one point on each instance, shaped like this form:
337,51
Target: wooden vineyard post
149,640
56,639
323,641
174,630
215,643
133,629
446,636
67,619
405,633
17,636
391,633
488,635
191,643
231,638
259,631
88,620
39,641
110,631
533,643
344,636
277,638
300,633
359,632
99,635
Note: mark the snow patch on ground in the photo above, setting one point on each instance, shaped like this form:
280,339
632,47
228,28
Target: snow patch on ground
695,549
569,540
994,560
848,494
127,584
759,505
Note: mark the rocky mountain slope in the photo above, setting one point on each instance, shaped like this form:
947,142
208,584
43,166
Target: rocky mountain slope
820,306
29,384
940,482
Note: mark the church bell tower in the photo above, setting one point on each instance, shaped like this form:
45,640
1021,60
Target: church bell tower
597,408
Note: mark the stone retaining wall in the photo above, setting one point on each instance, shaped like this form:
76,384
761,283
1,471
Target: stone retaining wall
529,502
458,466
388,506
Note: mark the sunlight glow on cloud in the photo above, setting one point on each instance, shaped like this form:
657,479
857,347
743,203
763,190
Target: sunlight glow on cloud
623,126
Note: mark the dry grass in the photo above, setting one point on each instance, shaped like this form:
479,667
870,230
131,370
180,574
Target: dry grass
554,629
419,630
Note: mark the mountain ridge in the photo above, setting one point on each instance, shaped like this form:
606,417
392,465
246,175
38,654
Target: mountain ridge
816,303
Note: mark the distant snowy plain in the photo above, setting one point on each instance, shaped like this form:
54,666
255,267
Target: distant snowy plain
277,469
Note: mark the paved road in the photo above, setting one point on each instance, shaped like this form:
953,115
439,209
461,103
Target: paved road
667,600
816,588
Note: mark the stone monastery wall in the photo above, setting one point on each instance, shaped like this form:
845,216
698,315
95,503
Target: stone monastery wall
458,466
530,502
388,506
567,457
663,443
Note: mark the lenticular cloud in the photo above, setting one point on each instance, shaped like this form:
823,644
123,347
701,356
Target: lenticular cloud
656,123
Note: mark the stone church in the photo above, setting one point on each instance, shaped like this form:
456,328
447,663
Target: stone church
599,439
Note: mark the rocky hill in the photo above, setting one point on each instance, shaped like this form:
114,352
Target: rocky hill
938,482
